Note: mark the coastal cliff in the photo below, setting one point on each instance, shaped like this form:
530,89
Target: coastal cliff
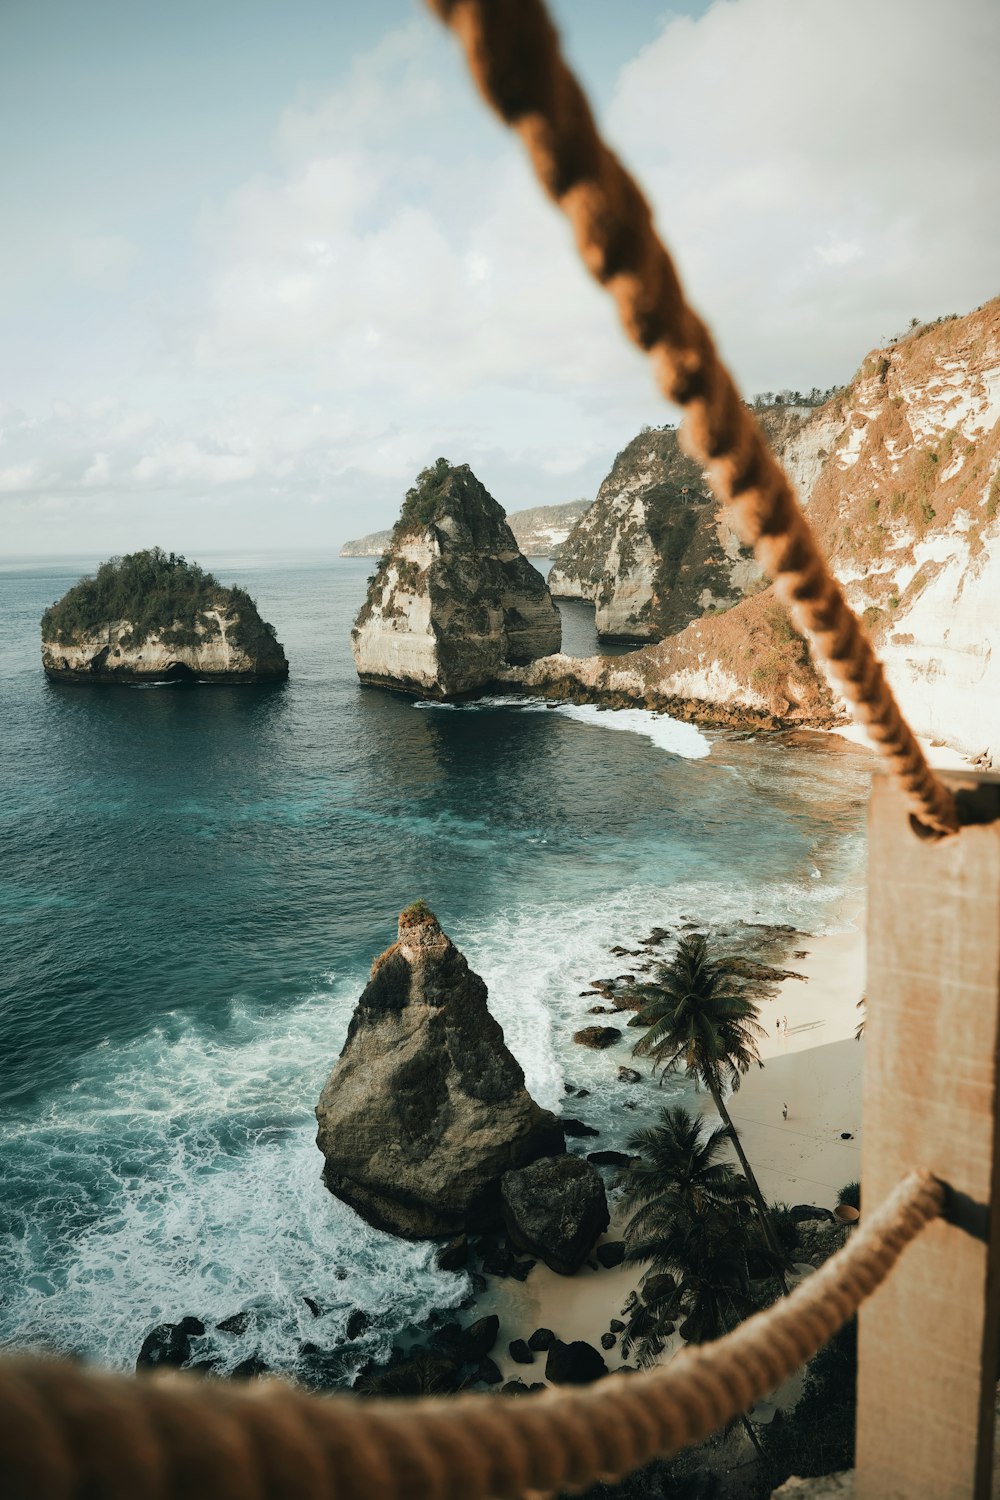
154,617
453,601
900,476
539,531
426,1108
652,552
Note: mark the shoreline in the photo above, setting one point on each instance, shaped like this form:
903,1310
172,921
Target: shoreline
815,1070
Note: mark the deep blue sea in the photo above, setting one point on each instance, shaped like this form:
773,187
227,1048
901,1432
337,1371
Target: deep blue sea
194,882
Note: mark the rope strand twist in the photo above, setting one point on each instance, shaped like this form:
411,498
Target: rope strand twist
66,1431
513,53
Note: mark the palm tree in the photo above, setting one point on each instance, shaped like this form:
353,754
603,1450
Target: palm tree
701,1024
691,1222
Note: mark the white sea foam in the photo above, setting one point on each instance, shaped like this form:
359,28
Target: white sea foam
673,735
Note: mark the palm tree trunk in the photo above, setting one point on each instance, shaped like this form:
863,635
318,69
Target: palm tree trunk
758,1196
748,1429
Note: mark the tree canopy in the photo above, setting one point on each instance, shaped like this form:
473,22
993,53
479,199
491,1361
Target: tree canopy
158,593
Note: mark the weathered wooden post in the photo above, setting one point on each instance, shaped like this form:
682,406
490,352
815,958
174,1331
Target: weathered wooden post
929,1336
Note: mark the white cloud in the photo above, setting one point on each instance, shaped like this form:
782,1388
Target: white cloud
396,286
823,171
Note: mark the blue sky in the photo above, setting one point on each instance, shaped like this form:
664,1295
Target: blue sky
261,262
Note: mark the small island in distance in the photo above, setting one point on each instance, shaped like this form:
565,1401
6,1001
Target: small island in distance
155,617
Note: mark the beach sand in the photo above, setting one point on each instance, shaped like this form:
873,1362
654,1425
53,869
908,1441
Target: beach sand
816,1070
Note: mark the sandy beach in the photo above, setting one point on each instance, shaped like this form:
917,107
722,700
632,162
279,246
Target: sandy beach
814,1069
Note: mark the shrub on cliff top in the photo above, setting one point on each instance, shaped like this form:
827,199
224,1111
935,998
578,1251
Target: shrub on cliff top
159,593
420,507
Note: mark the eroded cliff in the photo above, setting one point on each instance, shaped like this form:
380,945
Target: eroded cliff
900,476
453,601
652,553
154,617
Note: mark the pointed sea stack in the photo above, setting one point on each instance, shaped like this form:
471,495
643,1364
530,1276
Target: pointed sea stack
452,601
155,617
426,1108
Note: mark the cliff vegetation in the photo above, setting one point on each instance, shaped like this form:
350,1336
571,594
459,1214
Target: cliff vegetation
158,593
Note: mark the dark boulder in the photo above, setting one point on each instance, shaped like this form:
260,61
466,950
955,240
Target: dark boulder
574,1364
608,1340
616,1325
426,1108
520,1353
629,1075
542,1339
454,1256
249,1369
802,1212
577,1128
168,1344
515,1388
611,1254
478,1339
312,1305
358,1322
236,1323
555,1209
658,1287
597,1037
611,1158
489,1372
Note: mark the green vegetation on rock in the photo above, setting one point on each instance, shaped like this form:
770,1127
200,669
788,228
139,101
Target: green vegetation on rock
159,594
420,508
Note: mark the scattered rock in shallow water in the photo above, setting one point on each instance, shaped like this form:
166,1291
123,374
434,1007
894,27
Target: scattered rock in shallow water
608,1341
616,1325
478,1339
454,1256
611,1254
577,1363
515,1388
237,1323
597,1037
489,1372
312,1305
577,1128
555,1209
168,1344
358,1322
520,1353
602,1010
629,1075
611,1158
541,1339
249,1369
426,1108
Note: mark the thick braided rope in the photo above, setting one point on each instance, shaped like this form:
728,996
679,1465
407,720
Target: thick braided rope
68,1432
513,53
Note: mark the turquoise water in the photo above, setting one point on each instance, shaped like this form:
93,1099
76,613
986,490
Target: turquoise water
193,884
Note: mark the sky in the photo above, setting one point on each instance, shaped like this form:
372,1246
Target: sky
261,262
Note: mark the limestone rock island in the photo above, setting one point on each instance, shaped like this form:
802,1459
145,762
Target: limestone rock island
452,601
154,617
426,1108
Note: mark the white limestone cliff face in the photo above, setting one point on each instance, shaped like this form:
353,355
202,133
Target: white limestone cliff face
453,601
651,552
110,654
900,476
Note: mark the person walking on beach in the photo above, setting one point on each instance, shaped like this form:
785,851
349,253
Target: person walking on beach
784,1111
784,1025
777,1025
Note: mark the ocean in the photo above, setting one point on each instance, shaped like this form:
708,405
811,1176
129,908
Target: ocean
193,885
